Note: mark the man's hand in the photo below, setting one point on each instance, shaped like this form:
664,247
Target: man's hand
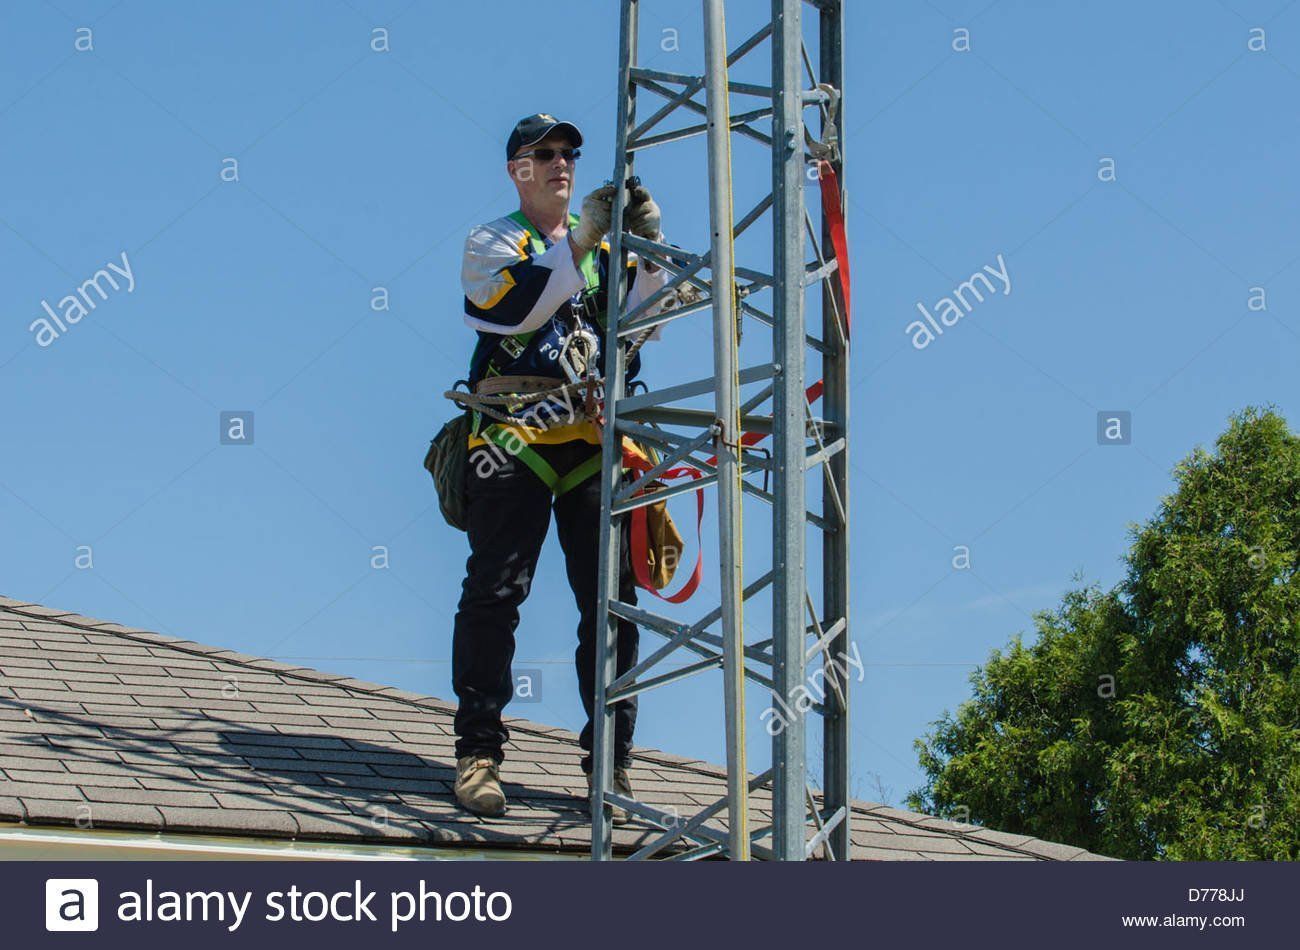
643,215
593,222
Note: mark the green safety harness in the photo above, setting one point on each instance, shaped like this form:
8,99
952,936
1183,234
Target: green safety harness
509,348
558,484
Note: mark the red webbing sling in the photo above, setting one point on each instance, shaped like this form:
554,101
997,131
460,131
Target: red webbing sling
640,541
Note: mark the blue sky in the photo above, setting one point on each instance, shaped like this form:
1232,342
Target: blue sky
360,169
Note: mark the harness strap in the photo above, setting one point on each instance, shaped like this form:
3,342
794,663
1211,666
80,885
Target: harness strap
558,484
579,475
494,385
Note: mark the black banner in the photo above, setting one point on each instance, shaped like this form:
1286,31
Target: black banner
499,904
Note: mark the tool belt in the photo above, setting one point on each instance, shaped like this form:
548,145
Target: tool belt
511,394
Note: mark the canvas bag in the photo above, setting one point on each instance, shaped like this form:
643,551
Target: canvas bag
446,461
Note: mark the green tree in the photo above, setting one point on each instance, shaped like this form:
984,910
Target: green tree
1159,719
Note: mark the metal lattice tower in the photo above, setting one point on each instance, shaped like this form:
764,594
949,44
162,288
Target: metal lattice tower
806,631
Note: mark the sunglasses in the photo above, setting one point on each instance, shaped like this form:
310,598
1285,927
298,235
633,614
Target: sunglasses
548,154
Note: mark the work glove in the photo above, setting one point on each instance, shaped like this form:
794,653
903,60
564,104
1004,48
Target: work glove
593,222
643,216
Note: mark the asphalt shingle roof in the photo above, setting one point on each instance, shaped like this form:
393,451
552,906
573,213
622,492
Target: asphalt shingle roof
132,729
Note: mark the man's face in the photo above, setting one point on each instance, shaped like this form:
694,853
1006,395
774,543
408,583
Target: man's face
537,179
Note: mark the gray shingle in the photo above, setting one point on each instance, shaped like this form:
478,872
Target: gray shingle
249,784
868,853
89,815
432,772
1005,856
300,743
143,730
27,746
11,808
42,789
69,677
332,827
146,796
10,663
111,744
47,725
246,821
302,765
370,756
50,630
114,766
80,779
988,850
12,763
1050,849
35,610
281,802
47,702
1000,838
385,784
211,775
267,719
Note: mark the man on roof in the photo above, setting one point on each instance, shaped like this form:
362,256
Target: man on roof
536,290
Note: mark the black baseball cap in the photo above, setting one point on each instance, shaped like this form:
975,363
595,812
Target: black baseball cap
531,129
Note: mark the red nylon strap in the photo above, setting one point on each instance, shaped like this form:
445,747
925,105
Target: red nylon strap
833,212
640,541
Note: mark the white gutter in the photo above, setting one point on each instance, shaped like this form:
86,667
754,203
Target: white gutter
27,843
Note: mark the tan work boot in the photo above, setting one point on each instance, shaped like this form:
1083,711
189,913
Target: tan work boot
622,787
478,785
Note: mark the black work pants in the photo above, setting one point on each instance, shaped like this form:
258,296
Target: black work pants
509,513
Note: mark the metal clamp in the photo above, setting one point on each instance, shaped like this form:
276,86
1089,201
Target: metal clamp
828,148
578,354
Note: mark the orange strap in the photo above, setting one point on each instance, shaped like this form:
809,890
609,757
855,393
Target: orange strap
640,540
